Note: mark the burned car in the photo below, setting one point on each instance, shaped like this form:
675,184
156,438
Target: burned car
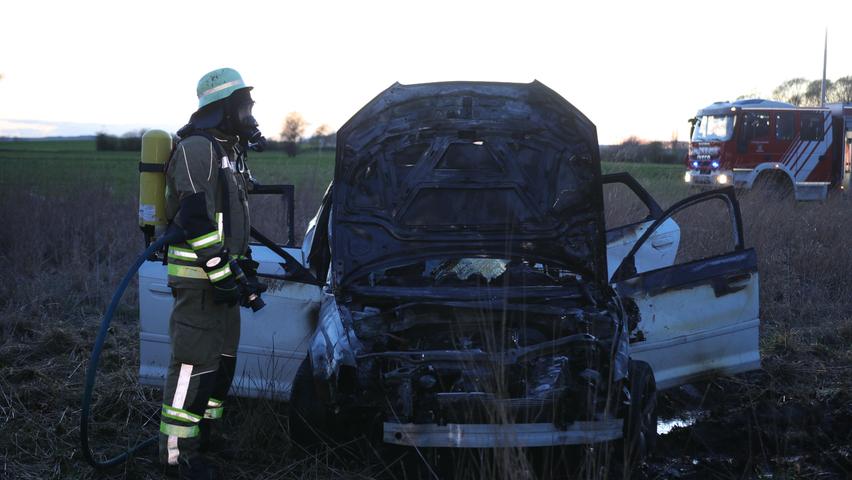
471,303
471,294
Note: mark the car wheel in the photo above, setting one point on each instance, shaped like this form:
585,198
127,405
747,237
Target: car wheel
308,416
640,423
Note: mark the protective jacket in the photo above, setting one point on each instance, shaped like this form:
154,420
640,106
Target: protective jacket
196,167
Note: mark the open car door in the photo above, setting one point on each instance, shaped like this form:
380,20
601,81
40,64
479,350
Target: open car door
696,318
629,211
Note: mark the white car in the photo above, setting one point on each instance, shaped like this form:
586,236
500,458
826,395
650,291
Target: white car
472,272
274,340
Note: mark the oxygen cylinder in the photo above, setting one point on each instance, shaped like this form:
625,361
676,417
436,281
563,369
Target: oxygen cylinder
156,148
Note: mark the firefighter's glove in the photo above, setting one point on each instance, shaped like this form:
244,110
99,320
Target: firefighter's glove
226,292
251,290
225,288
248,266
250,287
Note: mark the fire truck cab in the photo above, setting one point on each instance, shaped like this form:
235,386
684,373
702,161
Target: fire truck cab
800,150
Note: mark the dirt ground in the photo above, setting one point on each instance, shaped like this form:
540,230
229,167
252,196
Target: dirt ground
792,419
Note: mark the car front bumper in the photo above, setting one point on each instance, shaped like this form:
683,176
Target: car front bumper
501,435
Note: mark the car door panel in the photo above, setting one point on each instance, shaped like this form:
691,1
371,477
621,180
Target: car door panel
658,253
273,340
662,249
698,318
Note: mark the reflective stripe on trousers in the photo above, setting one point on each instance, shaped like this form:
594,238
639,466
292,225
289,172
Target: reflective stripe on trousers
178,400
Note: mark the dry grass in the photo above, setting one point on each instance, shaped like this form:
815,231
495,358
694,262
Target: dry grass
792,419
65,255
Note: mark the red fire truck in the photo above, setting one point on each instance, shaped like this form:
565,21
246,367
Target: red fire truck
767,144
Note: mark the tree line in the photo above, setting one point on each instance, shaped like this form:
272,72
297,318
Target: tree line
806,93
636,150
130,141
292,138
797,91
293,131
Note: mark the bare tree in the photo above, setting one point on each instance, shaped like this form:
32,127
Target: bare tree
292,131
294,127
814,92
792,91
806,93
322,130
321,135
629,150
841,90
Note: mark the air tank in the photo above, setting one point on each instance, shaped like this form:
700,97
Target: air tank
156,148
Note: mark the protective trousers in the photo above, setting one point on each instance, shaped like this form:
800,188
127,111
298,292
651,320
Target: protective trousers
204,338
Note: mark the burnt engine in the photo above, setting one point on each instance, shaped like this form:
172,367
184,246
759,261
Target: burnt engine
472,363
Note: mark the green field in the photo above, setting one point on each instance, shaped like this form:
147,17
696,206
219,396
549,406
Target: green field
56,165
51,166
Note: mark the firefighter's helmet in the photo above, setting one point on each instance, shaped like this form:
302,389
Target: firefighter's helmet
218,84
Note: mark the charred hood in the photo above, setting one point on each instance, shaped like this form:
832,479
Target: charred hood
467,169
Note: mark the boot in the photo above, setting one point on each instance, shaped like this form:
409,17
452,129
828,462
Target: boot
213,444
197,468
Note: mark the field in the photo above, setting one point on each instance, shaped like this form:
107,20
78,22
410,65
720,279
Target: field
69,231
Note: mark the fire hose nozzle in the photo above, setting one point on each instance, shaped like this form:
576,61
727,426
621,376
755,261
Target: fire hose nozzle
252,294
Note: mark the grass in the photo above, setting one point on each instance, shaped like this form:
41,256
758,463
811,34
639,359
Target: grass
50,165
664,182
69,231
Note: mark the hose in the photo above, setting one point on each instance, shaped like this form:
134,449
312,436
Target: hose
172,235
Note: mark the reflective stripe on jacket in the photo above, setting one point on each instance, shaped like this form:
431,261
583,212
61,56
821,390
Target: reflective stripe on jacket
194,168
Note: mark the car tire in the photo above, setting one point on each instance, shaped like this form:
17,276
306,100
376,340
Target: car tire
640,422
308,416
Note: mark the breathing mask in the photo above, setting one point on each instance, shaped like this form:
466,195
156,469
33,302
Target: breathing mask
239,120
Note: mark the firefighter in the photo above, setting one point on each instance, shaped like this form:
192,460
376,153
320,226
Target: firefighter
207,183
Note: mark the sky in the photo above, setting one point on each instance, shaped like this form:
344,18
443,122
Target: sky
634,68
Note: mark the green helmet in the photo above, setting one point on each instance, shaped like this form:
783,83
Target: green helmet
218,84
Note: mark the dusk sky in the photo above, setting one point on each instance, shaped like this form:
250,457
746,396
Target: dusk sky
634,68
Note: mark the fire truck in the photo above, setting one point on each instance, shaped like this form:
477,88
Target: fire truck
772,145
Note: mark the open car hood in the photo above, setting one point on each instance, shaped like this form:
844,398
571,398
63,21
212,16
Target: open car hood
467,169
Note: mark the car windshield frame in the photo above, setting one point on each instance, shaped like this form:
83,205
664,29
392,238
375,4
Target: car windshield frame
707,128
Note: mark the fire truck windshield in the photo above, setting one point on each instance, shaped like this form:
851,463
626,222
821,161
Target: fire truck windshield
713,128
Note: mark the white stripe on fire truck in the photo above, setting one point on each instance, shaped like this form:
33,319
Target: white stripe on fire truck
794,155
786,156
820,149
804,157
797,155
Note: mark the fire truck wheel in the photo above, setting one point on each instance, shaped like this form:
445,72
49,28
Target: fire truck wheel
775,186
